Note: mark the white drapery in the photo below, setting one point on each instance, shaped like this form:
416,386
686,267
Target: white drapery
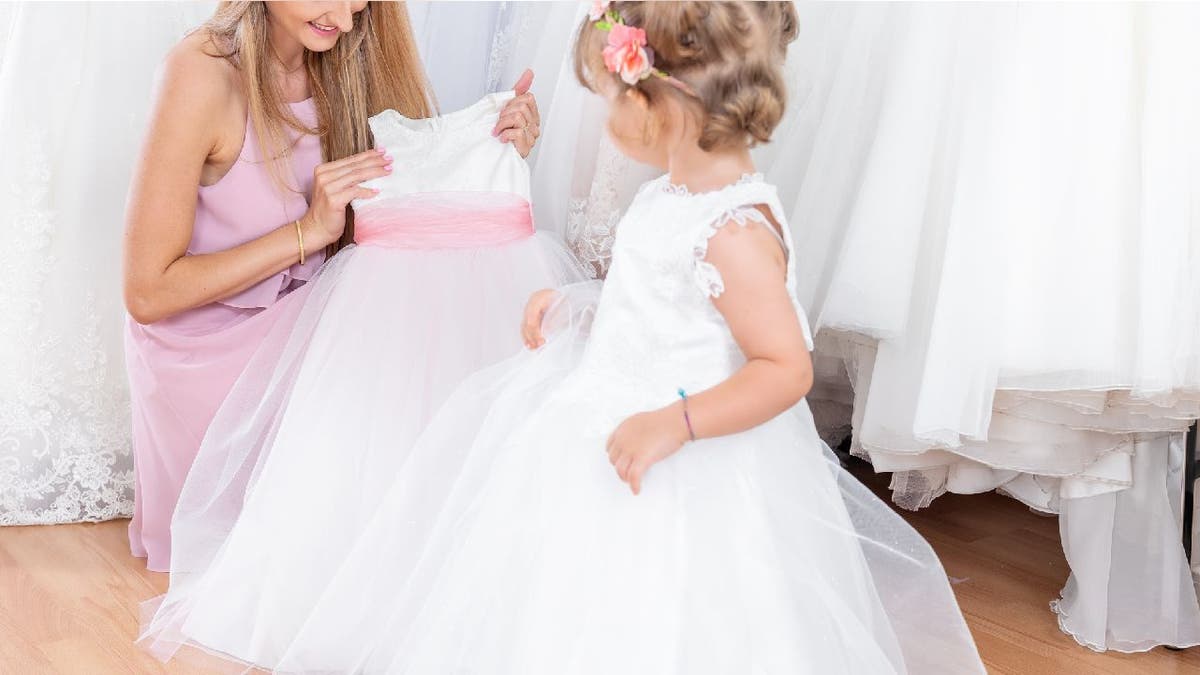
75,82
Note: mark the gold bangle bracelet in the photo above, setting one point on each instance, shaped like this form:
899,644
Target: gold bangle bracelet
300,239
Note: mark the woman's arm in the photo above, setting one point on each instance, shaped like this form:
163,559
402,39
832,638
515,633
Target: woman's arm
193,92
776,375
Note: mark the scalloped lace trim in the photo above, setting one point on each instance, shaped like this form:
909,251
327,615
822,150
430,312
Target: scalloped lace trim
707,276
683,191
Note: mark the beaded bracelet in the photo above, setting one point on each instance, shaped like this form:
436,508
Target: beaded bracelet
687,418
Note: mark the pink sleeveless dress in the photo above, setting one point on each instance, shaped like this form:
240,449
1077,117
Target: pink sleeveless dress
181,368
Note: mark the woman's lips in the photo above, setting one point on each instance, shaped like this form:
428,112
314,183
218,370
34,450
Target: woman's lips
323,30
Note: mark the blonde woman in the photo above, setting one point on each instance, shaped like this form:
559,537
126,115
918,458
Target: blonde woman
257,143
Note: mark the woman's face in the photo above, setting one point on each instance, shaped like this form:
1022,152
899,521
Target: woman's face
316,25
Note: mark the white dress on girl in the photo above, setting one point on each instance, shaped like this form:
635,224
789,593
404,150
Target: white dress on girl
320,424
507,545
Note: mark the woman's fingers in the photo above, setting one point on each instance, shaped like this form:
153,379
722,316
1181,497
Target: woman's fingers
338,176
521,139
519,112
512,118
357,177
337,165
360,192
524,82
528,103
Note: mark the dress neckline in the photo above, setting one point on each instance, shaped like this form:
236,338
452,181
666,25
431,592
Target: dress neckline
683,191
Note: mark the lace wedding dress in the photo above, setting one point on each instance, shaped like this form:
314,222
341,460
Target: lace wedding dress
74,94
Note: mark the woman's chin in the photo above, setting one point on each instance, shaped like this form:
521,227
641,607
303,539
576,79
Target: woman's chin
315,40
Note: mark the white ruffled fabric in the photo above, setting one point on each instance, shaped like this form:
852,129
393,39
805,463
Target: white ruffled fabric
998,241
75,94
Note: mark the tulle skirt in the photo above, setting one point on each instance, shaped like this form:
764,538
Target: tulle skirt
321,422
505,544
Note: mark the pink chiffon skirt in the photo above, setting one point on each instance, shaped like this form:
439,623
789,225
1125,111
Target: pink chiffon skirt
180,371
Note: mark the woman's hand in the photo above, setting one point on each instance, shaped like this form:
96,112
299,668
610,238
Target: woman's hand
335,185
645,439
520,123
535,311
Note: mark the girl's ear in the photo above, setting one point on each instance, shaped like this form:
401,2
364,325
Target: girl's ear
636,95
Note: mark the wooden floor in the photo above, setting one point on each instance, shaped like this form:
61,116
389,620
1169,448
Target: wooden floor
69,595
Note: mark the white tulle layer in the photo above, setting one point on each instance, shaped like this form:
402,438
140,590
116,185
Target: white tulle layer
318,426
997,226
1000,250
506,545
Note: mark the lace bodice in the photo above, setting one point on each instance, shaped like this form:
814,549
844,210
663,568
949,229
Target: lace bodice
450,153
656,324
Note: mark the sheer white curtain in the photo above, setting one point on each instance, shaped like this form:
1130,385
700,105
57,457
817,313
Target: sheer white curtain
996,227
75,81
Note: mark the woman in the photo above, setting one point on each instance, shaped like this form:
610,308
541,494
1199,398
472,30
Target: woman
257,143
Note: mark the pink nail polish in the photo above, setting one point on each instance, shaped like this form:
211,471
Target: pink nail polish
382,151
388,168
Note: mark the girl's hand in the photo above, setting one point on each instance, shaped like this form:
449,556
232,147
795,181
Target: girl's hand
520,123
335,184
645,439
535,311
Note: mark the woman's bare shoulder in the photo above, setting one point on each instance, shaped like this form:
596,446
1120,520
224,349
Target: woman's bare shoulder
196,72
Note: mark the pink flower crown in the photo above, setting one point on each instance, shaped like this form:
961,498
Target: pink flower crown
627,53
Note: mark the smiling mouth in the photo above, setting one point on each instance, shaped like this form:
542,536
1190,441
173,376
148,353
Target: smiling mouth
323,29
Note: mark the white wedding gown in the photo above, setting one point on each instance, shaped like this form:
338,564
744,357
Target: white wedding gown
505,543
75,87
999,242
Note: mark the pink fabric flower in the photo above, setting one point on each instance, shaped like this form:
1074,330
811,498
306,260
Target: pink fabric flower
626,54
599,7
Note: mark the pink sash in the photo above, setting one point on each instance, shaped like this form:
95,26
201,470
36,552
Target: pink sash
444,220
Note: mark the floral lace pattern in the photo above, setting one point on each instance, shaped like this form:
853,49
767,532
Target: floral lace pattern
705,274
592,220
510,30
683,191
64,412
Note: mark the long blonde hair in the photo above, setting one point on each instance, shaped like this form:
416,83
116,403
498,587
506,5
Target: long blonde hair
372,68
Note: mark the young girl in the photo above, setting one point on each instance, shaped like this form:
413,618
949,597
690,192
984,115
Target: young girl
645,491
